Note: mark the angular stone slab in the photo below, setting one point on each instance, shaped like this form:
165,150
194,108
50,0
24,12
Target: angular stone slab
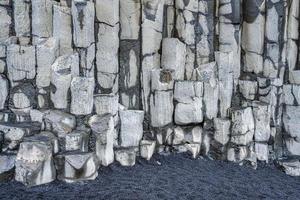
82,90
131,131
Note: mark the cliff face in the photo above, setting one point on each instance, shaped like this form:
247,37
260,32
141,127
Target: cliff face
84,83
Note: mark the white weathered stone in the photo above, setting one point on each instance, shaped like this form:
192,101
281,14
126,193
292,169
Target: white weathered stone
46,54
106,104
222,130
22,18
5,22
194,149
62,71
292,33
34,164
77,141
131,130
62,28
206,143
189,113
291,94
291,167
152,27
248,89
205,36
225,64
262,151
83,15
173,57
107,11
22,97
147,148
126,157
59,122
161,80
73,167
87,61
237,154
161,108
20,63
104,130
130,19
82,90
210,100
254,27
242,126
186,91
15,132
4,91
262,120
291,121
187,135
294,77
107,58
42,18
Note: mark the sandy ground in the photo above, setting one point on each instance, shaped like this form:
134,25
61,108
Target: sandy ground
169,177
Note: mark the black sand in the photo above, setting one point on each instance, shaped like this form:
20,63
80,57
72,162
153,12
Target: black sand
178,177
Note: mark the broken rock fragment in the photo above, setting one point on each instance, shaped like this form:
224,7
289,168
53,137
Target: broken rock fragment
104,130
7,167
34,164
147,148
126,157
131,130
73,167
82,90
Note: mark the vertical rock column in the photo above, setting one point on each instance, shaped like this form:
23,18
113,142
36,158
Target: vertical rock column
161,100
205,32
186,17
274,39
21,71
46,54
41,20
292,33
152,25
261,114
5,27
83,17
242,133
230,33
107,46
130,54
225,62
253,27
22,25
5,21
270,91
169,19
62,28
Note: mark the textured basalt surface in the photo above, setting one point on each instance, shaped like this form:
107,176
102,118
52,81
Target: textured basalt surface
86,83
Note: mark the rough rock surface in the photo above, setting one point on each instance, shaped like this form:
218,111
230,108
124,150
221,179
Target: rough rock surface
100,81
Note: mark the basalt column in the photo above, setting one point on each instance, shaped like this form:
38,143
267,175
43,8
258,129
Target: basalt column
230,33
152,26
253,27
107,44
130,54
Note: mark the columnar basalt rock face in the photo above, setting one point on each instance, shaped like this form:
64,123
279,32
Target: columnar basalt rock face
85,83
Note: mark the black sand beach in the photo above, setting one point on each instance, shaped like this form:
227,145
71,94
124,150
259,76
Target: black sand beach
169,177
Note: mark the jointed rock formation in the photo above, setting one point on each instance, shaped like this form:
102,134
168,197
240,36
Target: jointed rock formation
85,83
